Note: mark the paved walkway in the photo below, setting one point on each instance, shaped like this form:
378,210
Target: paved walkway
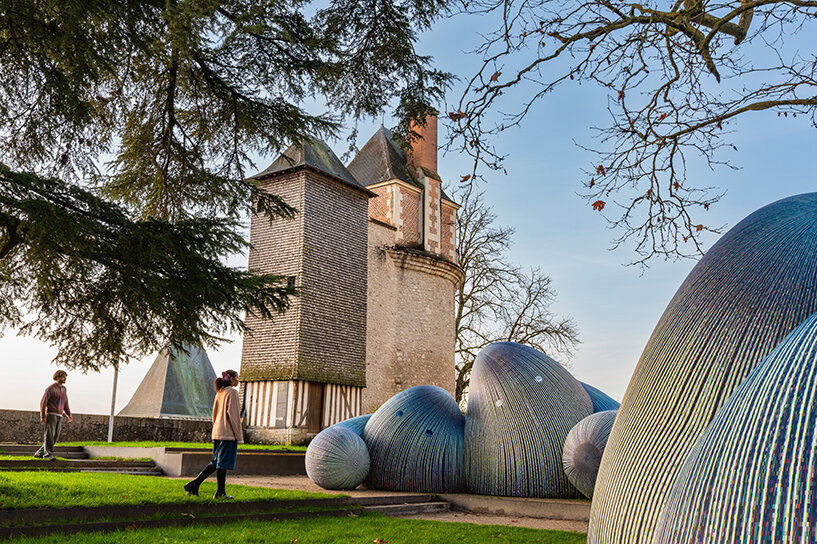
533,513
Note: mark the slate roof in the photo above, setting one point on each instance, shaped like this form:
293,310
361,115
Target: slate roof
313,154
382,159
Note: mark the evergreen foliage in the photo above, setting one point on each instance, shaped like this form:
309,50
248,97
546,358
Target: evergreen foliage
113,260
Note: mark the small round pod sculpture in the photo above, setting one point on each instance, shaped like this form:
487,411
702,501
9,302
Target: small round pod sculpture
601,401
415,442
355,424
521,406
337,458
751,476
583,449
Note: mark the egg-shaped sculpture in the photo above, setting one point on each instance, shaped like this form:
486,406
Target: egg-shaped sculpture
415,442
752,475
521,405
584,446
755,285
602,402
337,458
355,424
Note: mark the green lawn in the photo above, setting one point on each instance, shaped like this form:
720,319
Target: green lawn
365,529
40,460
58,490
208,445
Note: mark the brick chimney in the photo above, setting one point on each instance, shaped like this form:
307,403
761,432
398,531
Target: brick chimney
424,149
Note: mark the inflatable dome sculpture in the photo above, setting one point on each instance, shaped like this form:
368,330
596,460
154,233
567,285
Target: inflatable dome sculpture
521,406
754,286
415,442
601,401
583,449
751,476
337,458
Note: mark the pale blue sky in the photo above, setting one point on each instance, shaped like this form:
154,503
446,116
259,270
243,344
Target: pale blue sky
615,307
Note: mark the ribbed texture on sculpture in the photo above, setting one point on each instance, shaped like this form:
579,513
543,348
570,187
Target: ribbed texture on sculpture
601,401
355,424
337,459
583,449
752,476
750,290
415,442
521,405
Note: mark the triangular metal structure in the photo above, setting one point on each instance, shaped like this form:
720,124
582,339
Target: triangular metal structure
179,383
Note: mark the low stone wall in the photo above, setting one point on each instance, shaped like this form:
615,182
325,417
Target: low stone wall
24,427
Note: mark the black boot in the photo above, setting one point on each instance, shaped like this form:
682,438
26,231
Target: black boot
221,478
192,487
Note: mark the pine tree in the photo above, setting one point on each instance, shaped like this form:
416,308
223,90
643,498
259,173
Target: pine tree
125,132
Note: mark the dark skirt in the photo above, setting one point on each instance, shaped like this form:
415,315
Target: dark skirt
224,453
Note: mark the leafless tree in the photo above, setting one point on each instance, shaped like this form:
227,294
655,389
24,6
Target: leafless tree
677,75
498,300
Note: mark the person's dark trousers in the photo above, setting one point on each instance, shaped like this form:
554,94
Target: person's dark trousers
192,486
53,426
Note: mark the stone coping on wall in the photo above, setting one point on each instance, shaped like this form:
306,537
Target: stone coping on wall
421,261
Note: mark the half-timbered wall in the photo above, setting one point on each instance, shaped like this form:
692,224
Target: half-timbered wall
299,404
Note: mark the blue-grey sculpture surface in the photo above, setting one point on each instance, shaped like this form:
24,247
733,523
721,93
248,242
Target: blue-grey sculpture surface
602,402
355,424
752,475
755,285
521,405
583,449
337,458
415,442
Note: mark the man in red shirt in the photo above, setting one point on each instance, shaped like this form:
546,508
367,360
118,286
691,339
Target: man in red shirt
53,406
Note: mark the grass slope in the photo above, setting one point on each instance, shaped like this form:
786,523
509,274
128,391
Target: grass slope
208,445
366,529
59,490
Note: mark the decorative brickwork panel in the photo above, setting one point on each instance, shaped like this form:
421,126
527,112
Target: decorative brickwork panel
333,302
380,207
269,350
410,233
449,233
432,215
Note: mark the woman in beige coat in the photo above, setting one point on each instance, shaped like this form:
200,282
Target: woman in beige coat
227,434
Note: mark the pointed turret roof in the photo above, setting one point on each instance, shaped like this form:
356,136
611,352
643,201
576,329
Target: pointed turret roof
314,154
381,159
177,384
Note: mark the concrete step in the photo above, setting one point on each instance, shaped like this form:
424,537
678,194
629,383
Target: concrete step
30,449
409,509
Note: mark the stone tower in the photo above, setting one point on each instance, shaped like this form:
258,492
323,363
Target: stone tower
306,368
373,250
413,273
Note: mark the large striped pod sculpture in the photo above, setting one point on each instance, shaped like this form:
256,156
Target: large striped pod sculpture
337,458
755,285
415,442
601,401
752,475
583,449
521,405
355,424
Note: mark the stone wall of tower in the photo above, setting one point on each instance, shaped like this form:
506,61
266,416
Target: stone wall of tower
333,346
270,346
320,338
410,319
